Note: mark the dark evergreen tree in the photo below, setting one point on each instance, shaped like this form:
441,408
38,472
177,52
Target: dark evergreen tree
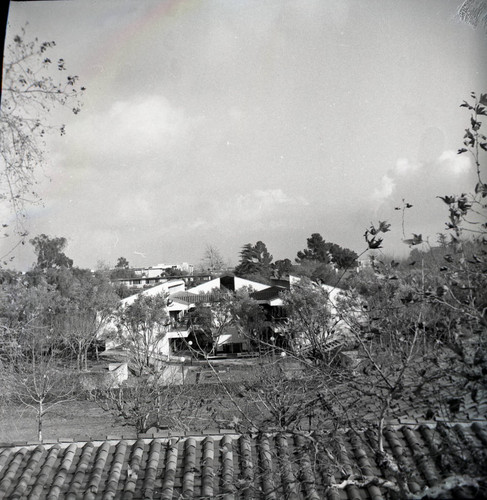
326,253
254,260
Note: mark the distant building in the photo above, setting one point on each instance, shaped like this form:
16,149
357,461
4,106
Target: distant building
162,270
140,282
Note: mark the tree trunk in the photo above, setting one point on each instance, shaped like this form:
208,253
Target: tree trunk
85,354
40,413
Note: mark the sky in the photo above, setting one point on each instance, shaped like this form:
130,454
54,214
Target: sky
225,122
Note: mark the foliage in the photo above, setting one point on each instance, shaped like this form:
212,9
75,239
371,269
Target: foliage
142,325
249,317
327,253
462,207
122,270
122,290
47,316
371,235
406,339
316,271
309,322
283,268
50,253
211,319
26,314
122,263
255,260
30,90
199,320
87,314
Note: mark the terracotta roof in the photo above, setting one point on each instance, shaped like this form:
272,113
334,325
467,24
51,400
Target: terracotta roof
196,298
233,466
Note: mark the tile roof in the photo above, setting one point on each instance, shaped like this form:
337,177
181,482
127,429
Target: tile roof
232,466
195,298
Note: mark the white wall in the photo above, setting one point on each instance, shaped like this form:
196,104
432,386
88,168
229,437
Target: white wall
215,284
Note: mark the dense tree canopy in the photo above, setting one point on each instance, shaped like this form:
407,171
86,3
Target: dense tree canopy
49,251
325,252
255,260
122,270
122,263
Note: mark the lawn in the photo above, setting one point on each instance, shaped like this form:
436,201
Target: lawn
77,420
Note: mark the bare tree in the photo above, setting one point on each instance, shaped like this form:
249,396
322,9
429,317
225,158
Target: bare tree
42,384
212,259
149,401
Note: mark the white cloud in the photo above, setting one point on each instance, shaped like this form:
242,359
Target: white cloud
454,164
450,172
138,128
260,206
260,203
405,167
385,190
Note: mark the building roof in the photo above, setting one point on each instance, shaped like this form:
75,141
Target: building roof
195,298
268,293
168,287
232,466
231,283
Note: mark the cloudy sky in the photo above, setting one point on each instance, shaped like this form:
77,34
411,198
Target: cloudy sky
225,122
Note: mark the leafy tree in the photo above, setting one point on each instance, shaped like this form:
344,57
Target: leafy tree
200,323
30,355
122,263
122,290
89,310
317,271
26,318
254,260
248,315
283,268
309,321
317,249
142,326
222,312
122,270
50,253
30,90
212,319
343,258
174,272
320,250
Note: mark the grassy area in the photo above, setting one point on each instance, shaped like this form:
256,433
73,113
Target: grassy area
77,420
